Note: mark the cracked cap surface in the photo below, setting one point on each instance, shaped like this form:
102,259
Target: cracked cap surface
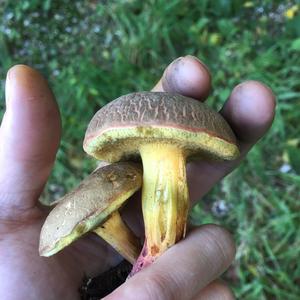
118,129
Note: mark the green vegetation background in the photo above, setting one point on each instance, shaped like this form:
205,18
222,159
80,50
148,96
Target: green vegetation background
93,51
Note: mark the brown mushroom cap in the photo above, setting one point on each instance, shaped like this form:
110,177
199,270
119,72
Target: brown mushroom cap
119,128
89,205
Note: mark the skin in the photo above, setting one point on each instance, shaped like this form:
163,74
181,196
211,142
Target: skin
27,155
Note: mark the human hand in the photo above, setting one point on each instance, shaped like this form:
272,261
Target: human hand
29,138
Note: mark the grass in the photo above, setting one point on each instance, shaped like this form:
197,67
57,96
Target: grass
95,52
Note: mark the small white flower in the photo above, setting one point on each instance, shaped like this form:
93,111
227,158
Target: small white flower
26,23
68,29
9,16
220,208
285,168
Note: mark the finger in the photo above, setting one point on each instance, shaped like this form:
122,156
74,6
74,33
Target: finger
187,76
250,111
29,137
217,290
183,270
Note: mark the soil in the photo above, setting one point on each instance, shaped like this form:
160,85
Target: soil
98,287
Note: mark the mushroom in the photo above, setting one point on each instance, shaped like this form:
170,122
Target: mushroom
165,130
93,206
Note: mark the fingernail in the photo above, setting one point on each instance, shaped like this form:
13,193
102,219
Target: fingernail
14,74
24,84
188,76
8,86
192,57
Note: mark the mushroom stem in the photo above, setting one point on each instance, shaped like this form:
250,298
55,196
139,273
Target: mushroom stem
164,199
115,232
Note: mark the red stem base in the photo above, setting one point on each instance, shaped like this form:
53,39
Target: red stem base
144,260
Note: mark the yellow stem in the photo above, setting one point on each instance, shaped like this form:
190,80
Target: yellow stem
165,196
120,237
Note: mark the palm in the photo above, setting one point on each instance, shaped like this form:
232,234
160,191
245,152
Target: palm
51,276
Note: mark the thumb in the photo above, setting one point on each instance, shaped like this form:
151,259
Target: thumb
29,138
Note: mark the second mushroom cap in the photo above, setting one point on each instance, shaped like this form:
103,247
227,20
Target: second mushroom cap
91,204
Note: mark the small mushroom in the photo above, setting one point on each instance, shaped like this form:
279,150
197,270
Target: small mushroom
93,206
165,130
